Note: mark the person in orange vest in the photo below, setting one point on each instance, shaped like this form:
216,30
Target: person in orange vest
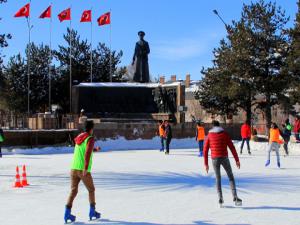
274,143
200,136
161,133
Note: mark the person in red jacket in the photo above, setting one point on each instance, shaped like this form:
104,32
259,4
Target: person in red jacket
246,136
218,140
297,128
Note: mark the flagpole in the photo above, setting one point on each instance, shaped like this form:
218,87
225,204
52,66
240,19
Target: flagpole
91,47
28,63
50,60
110,53
70,45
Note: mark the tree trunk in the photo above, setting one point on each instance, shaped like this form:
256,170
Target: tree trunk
268,112
249,112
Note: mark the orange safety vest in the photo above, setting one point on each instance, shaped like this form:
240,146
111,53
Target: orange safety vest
161,131
274,135
201,133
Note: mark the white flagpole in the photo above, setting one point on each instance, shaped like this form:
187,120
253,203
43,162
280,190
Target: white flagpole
91,46
110,55
28,62
70,45
50,58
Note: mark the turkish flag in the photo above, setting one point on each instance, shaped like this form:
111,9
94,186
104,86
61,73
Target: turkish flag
24,11
86,16
104,19
46,13
65,15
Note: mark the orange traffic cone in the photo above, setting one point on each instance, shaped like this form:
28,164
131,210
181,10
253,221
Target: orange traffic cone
24,177
18,182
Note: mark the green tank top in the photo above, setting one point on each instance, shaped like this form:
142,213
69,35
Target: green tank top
79,154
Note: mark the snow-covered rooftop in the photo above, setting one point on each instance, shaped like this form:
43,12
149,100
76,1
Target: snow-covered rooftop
126,85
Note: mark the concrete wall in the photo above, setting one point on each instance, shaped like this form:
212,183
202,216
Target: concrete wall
31,138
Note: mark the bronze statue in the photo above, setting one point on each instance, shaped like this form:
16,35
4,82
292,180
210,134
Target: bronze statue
140,59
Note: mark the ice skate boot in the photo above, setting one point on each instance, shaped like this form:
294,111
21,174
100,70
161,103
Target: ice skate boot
267,163
68,216
278,164
93,213
237,201
221,202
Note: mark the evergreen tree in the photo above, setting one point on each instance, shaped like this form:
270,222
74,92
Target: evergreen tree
39,77
293,61
16,80
252,59
81,66
3,44
15,91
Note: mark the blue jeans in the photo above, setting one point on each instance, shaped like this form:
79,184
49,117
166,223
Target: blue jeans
275,146
200,143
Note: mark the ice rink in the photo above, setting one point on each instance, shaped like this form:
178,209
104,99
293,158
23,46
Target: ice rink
145,187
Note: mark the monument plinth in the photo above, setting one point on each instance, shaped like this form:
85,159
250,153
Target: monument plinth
128,101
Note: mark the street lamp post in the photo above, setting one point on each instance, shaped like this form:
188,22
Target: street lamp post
218,15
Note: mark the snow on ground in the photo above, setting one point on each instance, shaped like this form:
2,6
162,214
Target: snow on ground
145,187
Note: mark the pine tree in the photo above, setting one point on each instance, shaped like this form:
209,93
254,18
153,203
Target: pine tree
16,80
3,44
81,66
39,77
253,60
293,61
15,91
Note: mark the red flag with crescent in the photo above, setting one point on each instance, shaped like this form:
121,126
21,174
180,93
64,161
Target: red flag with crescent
24,11
46,13
104,19
86,16
65,15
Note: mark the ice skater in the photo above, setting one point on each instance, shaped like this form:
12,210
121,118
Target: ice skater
246,136
1,141
218,140
161,132
200,136
168,136
274,143
287,133
81,171
297,128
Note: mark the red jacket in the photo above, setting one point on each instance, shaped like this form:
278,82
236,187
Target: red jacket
218,141
245,131
297,126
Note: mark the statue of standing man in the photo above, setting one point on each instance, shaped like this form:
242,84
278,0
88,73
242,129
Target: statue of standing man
140,59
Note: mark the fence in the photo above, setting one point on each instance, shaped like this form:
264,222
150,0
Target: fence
40,121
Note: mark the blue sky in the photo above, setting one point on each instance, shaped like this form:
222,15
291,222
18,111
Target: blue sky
181,33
